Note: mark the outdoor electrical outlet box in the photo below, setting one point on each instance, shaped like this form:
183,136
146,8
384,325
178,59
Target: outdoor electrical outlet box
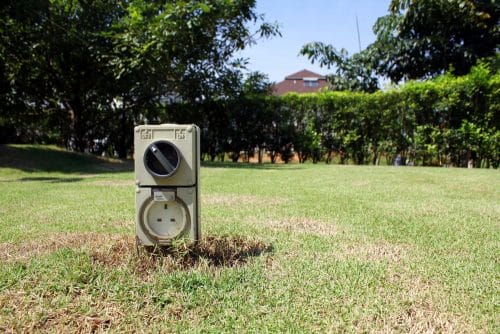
167,169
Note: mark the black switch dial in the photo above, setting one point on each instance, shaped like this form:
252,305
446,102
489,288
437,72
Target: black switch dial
161,159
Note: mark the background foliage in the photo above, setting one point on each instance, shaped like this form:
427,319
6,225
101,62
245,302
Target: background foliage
416,40
81,74
73,71
446,121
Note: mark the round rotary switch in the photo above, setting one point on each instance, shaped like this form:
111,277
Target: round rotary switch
161,159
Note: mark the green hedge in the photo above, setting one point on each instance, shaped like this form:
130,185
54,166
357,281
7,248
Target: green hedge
446,121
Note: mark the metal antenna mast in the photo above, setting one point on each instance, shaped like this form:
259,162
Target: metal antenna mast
357,28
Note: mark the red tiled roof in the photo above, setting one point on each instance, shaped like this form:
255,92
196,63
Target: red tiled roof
295,83
304,74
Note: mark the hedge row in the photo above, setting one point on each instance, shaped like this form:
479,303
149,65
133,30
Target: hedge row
446,121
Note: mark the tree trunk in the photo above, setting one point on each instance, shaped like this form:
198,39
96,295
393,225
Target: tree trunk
121,147
360,159
77,125
375,158
328,157
343,157
212,156
272,155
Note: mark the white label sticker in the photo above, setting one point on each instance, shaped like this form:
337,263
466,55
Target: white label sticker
163,196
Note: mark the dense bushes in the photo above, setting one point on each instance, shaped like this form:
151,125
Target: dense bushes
447,121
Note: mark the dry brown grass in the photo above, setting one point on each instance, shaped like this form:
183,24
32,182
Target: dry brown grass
113,250
210,252
238,200
299,225
35,314
413,304
377,251
425,317
113,183
409,303
418,306
10,252
82,312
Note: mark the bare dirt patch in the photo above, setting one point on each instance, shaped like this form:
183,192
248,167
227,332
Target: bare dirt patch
237,200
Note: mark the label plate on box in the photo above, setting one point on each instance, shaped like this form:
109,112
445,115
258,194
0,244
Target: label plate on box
163,196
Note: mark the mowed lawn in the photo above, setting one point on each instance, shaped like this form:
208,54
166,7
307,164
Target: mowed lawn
286,248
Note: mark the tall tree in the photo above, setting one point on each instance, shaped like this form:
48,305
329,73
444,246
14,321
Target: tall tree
186,47
95,67
420,39
417,39
353,73
56,58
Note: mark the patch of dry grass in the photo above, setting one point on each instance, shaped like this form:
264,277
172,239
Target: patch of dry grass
407,302
11,252
210,252
300,225
377,251
238,200
112,250
34,314
79,310
425,316
416,305
113,183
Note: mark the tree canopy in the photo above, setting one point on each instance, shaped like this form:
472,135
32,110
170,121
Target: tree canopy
433,36
416,40
90,69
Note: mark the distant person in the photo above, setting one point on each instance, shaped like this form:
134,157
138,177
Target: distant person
398,161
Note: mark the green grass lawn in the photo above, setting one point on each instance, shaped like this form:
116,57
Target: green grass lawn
288,248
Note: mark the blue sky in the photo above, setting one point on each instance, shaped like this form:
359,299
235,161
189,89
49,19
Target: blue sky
303,21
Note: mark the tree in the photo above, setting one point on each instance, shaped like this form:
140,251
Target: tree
248,112
56,58
353,73
417,39
420,39
186,48
232,124
94,68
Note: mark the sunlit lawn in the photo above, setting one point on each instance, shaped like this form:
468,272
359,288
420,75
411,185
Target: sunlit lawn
296,248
